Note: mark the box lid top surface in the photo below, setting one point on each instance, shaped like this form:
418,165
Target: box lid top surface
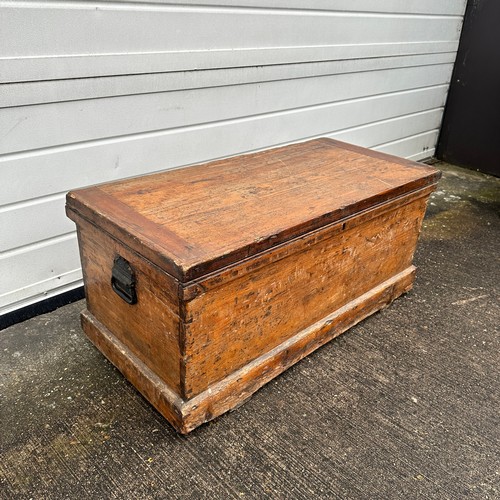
196,220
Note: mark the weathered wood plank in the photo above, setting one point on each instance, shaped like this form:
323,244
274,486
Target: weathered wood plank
185,415
149,329
229,326
256,201
238,268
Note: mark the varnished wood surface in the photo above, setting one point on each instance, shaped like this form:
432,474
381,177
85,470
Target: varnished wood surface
297,245
199,219
192,337
344,224
229,326
186,415
150,329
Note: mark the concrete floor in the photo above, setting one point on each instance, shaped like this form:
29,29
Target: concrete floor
404,405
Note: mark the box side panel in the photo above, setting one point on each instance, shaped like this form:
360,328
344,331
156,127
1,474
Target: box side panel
231,325
150,327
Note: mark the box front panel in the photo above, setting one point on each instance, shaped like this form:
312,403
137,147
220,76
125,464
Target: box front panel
230,325
149,328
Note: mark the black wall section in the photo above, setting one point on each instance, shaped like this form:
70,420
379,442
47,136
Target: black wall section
470,134
41,307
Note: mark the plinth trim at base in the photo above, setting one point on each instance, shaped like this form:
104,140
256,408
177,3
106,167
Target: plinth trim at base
235,389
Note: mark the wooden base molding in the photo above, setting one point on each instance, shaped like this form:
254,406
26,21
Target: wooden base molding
185,415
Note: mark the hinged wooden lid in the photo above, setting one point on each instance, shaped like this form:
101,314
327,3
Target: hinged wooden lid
196,220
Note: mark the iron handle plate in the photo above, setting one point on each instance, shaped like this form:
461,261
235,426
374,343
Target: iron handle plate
123,280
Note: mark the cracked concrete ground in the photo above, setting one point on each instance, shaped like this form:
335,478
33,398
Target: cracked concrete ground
404,405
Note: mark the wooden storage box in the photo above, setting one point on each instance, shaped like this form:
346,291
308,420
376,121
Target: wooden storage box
206,282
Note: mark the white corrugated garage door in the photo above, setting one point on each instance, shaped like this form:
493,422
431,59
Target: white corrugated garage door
96,91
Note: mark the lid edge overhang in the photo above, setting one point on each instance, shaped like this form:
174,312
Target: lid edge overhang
188,270
186,263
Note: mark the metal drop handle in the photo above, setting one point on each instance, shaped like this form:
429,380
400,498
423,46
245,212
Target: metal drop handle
123,280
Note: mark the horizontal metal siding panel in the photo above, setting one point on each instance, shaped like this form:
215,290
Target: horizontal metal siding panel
71,122
52,91
42,290
83,28
41,68
378,133
59,169
98,91
74,40
412,7
417,146
33,260
34,221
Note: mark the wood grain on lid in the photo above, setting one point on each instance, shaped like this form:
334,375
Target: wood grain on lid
196,220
